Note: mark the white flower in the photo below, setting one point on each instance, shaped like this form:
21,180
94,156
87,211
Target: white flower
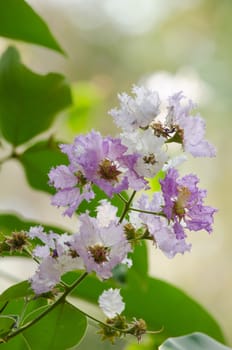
149,147
136,112
174,162
111,303
106,213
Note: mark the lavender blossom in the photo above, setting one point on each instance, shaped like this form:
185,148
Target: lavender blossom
103,162
101,247
159,229
183,204
56,258
72,188
190,129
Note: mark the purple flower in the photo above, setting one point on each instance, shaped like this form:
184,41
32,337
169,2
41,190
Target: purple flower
183,204
55,256
38,232
100,247
160,230
46,276
190,129
72,188
103,161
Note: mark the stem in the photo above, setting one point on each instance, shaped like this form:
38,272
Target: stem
26,250
12,155
148,212
127,207
122,198
56,303
22,313
3,160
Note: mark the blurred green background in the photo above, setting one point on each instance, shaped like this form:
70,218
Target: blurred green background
168,45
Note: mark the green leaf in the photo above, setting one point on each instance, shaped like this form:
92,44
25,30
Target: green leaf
159,303
60,329
162,305
30,308
140,264
17,343
192,342
28,101
6,323
15,308
19,290
12,222
38,161
140,259
19,21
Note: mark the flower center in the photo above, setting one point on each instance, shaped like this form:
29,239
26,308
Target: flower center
161,130
80,178
99,253
181,202
150,159
108,170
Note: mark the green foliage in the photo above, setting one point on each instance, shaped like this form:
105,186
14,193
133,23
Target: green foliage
19,290
19,21
192,342
157,302
163,305
17,343
61,329
38,161
28,101
11,222
6,324
140,259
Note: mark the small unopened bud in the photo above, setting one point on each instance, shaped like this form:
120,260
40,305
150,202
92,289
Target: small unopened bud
109,333
138,328
17,241
130,231
116,328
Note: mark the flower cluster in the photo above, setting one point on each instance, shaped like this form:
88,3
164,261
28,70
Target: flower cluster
115,165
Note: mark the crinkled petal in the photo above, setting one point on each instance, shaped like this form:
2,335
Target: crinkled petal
61,177
111,303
